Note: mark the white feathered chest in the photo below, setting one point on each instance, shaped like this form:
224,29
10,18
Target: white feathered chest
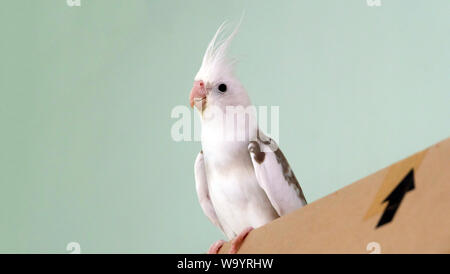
234,191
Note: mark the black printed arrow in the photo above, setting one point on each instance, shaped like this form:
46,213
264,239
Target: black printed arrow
395,198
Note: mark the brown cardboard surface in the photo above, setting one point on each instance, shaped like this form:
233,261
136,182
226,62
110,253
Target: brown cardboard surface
345,221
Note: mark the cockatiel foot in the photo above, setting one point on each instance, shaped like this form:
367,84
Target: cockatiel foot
237,242
215,247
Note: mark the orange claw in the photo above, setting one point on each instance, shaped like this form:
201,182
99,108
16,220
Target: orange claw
215,247
237,242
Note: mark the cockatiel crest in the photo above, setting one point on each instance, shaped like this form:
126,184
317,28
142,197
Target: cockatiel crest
215,82
216,62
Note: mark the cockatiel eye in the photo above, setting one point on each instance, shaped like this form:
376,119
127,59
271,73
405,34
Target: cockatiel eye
222,87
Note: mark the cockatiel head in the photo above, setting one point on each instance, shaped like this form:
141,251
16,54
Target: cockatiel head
215,84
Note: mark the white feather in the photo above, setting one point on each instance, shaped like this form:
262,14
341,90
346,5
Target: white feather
215,60
278,181
201,186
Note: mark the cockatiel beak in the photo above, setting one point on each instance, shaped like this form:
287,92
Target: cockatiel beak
198,94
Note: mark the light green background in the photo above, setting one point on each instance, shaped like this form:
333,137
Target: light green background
87,92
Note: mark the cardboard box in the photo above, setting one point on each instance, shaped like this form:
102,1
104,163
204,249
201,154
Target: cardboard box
404,208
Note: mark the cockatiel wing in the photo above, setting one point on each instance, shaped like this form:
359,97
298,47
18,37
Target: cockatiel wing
275,176
201,185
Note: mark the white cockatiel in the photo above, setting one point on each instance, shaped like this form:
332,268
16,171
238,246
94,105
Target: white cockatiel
243,180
